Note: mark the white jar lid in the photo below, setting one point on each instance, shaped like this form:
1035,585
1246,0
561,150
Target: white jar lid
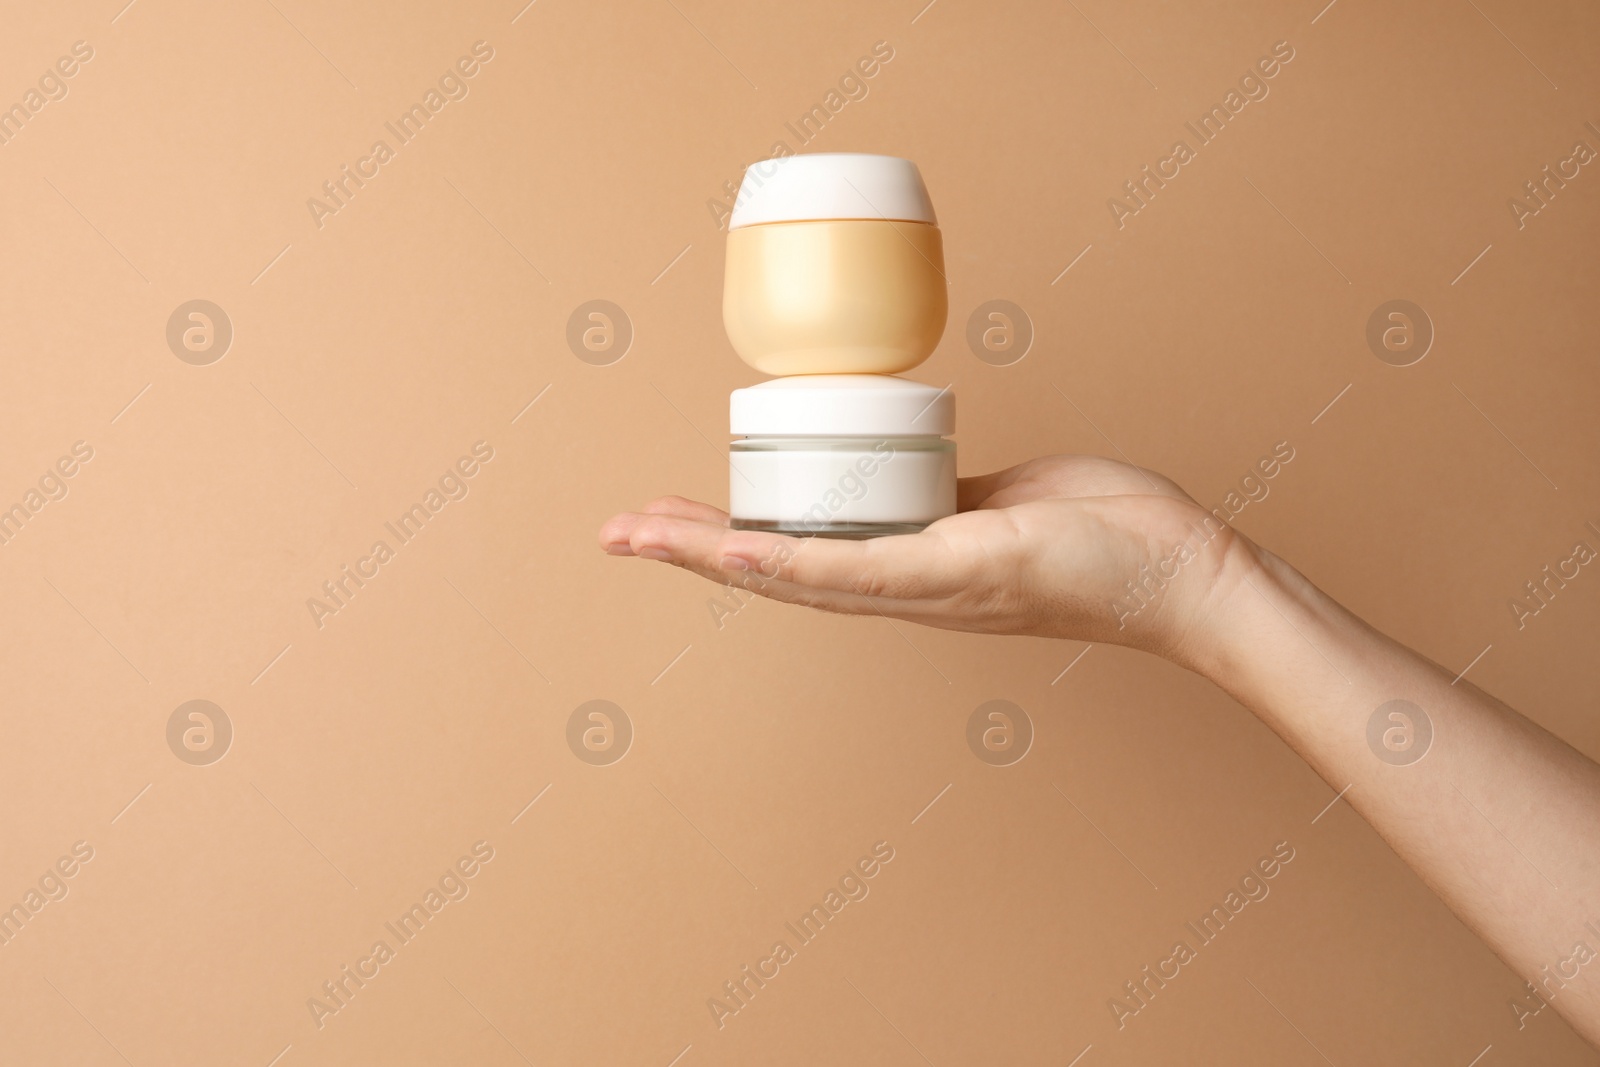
868,405
831,185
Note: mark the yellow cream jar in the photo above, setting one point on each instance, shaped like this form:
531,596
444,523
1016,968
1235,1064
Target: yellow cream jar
834,265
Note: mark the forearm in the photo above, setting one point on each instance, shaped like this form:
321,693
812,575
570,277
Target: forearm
1498,816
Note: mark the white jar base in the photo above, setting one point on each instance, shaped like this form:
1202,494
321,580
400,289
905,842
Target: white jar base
841,487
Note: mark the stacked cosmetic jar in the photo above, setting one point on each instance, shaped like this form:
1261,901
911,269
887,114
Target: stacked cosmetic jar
835,281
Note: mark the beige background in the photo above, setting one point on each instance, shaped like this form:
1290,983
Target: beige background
772,752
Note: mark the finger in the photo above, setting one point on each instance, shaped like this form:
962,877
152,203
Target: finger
752,581
899,569
695,543
684,508
764,564
615,531
908,567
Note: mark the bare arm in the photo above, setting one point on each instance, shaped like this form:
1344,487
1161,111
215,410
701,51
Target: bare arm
1500,817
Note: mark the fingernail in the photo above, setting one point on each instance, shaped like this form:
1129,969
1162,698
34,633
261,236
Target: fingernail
734,563
619,548
654,553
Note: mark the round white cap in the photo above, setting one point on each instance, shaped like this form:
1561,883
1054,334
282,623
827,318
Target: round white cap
831,185
868,405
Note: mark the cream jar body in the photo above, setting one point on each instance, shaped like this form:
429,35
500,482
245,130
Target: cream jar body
834,296
851,456
841,486
835,265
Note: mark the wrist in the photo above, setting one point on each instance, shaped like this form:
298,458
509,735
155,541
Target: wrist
1266,632
1216,632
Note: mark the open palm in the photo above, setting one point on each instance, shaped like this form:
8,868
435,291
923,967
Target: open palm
1061,546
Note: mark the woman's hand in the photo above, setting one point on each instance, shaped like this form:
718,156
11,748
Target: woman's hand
1064,546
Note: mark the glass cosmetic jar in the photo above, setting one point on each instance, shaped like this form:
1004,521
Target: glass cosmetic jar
841,455
835,265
